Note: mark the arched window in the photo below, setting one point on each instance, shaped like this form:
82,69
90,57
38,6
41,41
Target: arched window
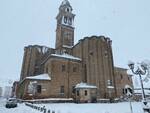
65,19
74,69
39,87
78,93
62,90
85,92
70,21
68,9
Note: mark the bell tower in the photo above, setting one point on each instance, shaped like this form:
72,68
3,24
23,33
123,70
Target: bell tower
65,26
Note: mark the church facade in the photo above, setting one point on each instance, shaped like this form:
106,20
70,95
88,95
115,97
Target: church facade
55,72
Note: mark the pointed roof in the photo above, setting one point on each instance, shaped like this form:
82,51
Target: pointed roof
65,2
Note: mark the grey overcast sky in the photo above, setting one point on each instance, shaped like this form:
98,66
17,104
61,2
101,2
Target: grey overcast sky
29,22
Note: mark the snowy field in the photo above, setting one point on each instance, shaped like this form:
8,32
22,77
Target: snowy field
20,109
76,108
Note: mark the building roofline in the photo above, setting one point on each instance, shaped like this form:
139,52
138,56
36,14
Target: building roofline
121,68
59,57
92,37
35,45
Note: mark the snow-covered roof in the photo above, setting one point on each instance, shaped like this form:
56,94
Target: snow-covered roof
66,46
39,77
42,49
85,85
110,87
127,86
67,56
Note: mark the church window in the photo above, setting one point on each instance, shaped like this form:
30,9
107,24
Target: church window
78,93
74,69
63,68
123,91
121,76
85,92
109,82
62,89
106,54
65,20
91,53
39,87
67,9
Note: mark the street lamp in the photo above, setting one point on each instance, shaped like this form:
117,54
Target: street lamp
141,70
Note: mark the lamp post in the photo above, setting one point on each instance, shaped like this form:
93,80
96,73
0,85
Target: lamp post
141,70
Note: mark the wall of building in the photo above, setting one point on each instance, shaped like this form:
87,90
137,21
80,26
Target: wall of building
31,92
122,79
82,97
66,77
64,36
96,67
96,53
32,59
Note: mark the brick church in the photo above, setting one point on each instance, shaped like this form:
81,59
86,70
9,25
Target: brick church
56,72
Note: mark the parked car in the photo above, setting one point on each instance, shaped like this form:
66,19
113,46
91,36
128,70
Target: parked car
11,103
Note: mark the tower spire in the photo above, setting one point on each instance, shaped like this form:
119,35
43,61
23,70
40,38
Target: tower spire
65,2
65,26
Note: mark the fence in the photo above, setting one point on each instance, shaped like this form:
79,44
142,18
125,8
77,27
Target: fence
41,109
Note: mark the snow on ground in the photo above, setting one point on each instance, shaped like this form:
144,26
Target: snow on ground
20,109
123,107
95,108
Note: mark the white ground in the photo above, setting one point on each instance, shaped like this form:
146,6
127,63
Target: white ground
76,108
20,109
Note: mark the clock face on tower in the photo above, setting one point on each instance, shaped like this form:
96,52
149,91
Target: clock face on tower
67,20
